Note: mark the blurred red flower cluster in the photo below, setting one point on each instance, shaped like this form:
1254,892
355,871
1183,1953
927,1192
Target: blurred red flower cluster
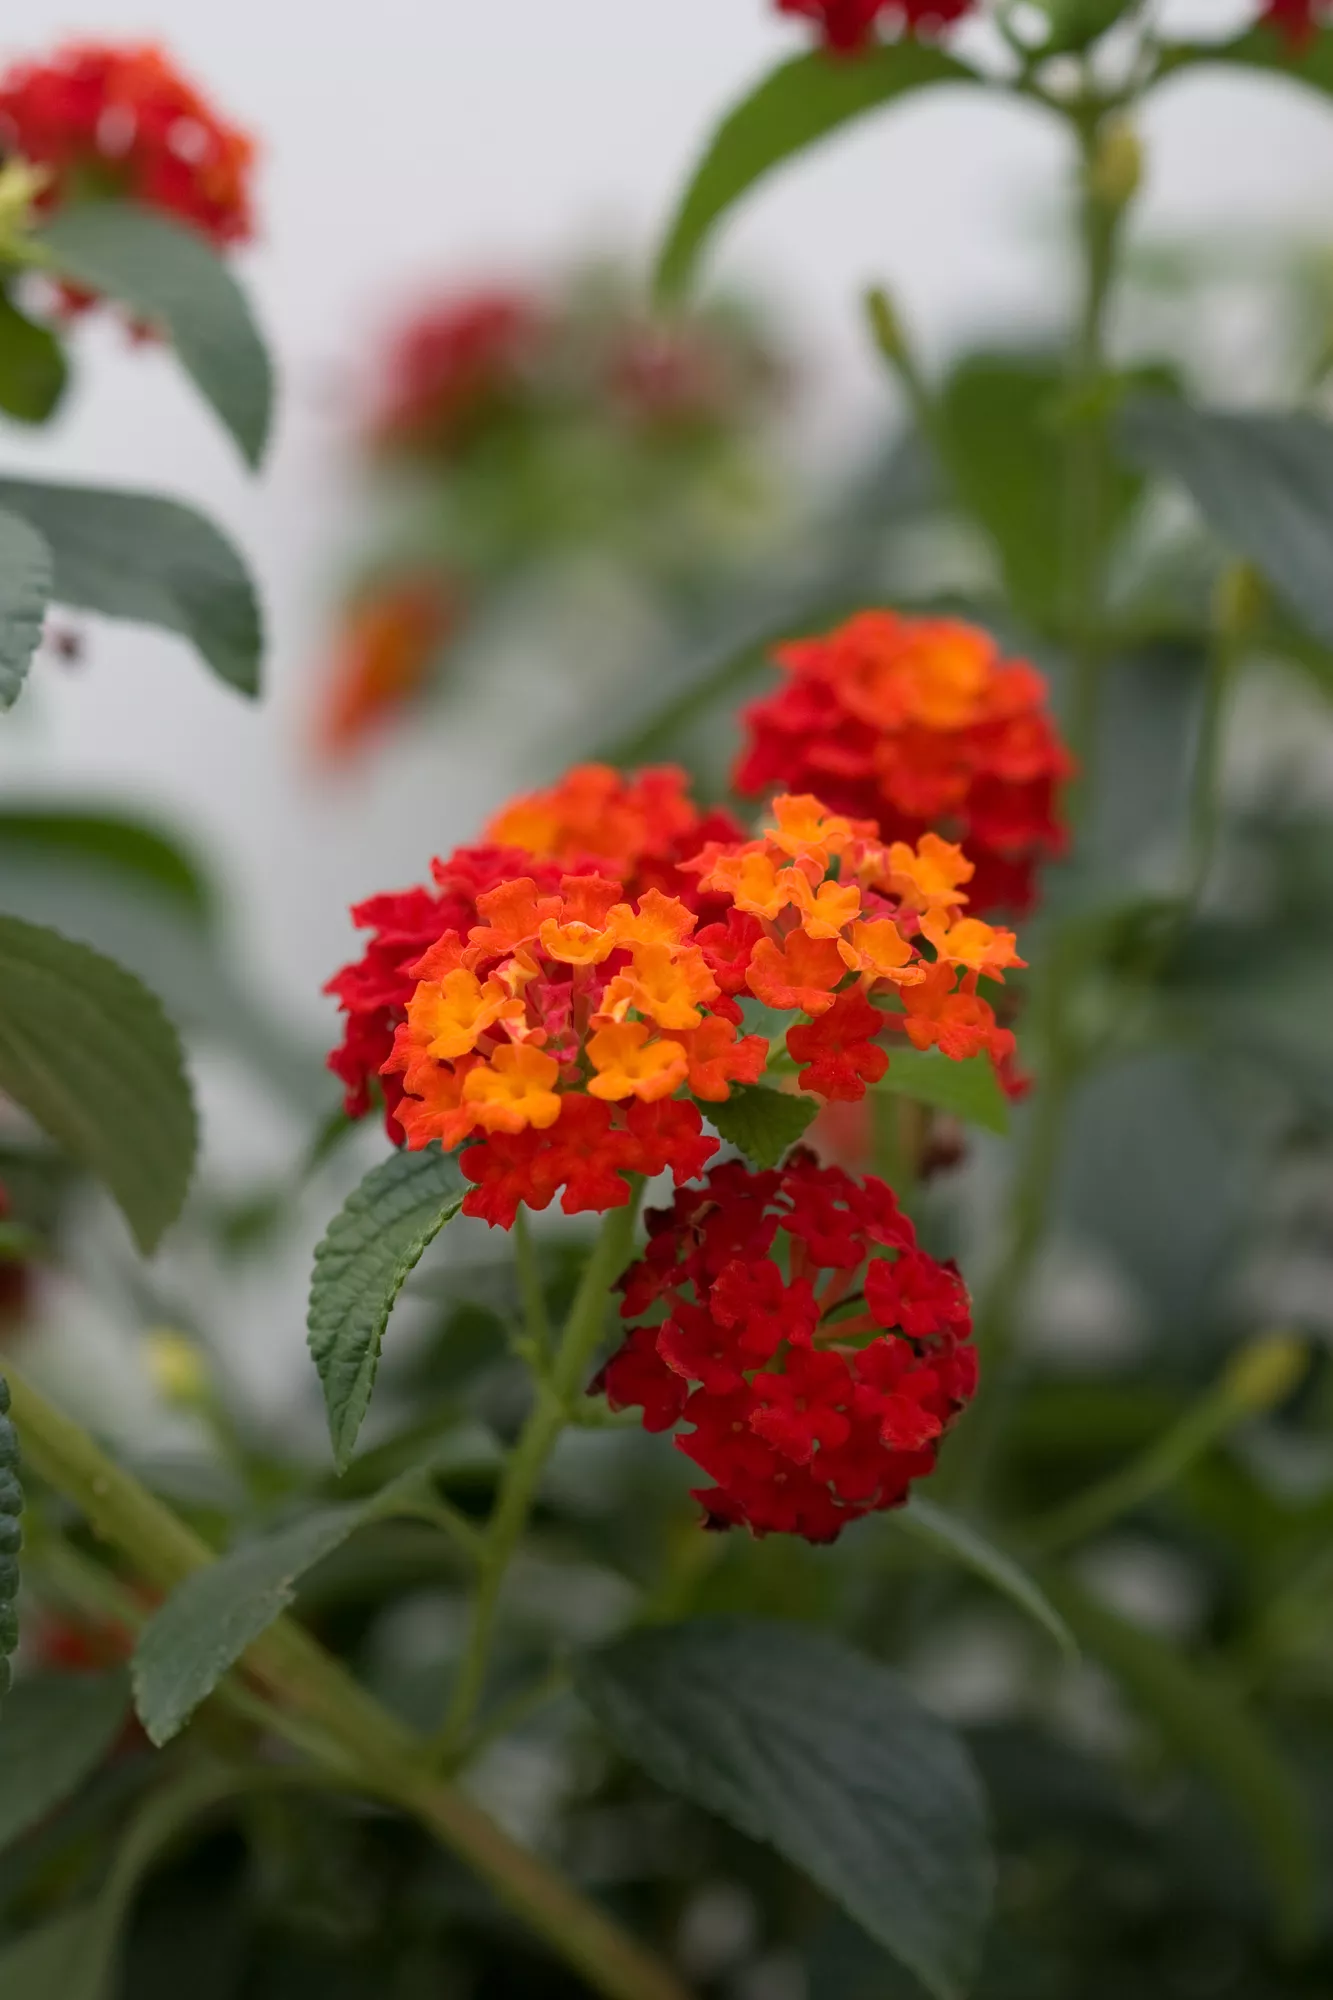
849,25
110,119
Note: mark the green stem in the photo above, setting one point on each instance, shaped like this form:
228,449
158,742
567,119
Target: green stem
386,1759
1259,1377
537,1323
1234,603
1087,457
523,1471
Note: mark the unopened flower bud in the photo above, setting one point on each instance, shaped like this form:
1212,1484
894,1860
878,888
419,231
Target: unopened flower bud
1116,170
1264,1374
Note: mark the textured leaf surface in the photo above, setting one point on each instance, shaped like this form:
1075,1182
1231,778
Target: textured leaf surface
371,1245
153,561
32,366
959,1541
827,1756
57,1730
208,1622
761,1123
804,101
26,573
88,1052
1264,483
1205,1722
966,1088
170,277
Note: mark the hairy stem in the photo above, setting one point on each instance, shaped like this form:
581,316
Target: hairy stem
527,1462
386,1760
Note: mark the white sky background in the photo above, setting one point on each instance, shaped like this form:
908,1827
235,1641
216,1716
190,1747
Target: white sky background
418,137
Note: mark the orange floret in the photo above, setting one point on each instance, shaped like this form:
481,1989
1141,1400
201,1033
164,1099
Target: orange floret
629,1064
980,947
931,874
514,1090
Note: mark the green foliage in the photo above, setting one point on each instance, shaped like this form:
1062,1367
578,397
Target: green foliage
373,1242
88,1052
38,1966
1263,48
207,1623
25,589
153,561
1076,24
169,277
51,839
1206,1724
968,1089
761,1123
32,366
11,1540
1003,428
826,1756
57,1730
1264,483
802,102
957,1540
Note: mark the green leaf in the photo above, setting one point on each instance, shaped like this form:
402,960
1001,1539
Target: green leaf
25,589
169,276
39,1965
784,1732
107,844
88,1052
1200,1716
11,1541
1264,483
959,1541
370,1246
57,1730
32,366
968,1089
150,560
209,1621
1002,427
759,1122
800,103
1075,24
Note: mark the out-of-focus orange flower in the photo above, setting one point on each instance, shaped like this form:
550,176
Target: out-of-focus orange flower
382,660
119,119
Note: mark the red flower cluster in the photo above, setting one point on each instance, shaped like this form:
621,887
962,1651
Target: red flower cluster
452,365
1297,20
634,830
106,119
917,723
383,659
816,1396
848,25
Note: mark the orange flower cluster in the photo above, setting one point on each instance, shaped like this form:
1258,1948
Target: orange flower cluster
558,1030
383,659
108,119
824,916
636,829
919,724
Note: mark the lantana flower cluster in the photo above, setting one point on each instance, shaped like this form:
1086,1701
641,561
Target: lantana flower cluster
849,25
633,830
110,119
919,724
816,1353
826,919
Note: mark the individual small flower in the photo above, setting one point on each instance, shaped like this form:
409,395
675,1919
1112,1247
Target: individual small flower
865,940
550,1036
382,659
457,362
114,119
920,726
637,830
817,1355
848,25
